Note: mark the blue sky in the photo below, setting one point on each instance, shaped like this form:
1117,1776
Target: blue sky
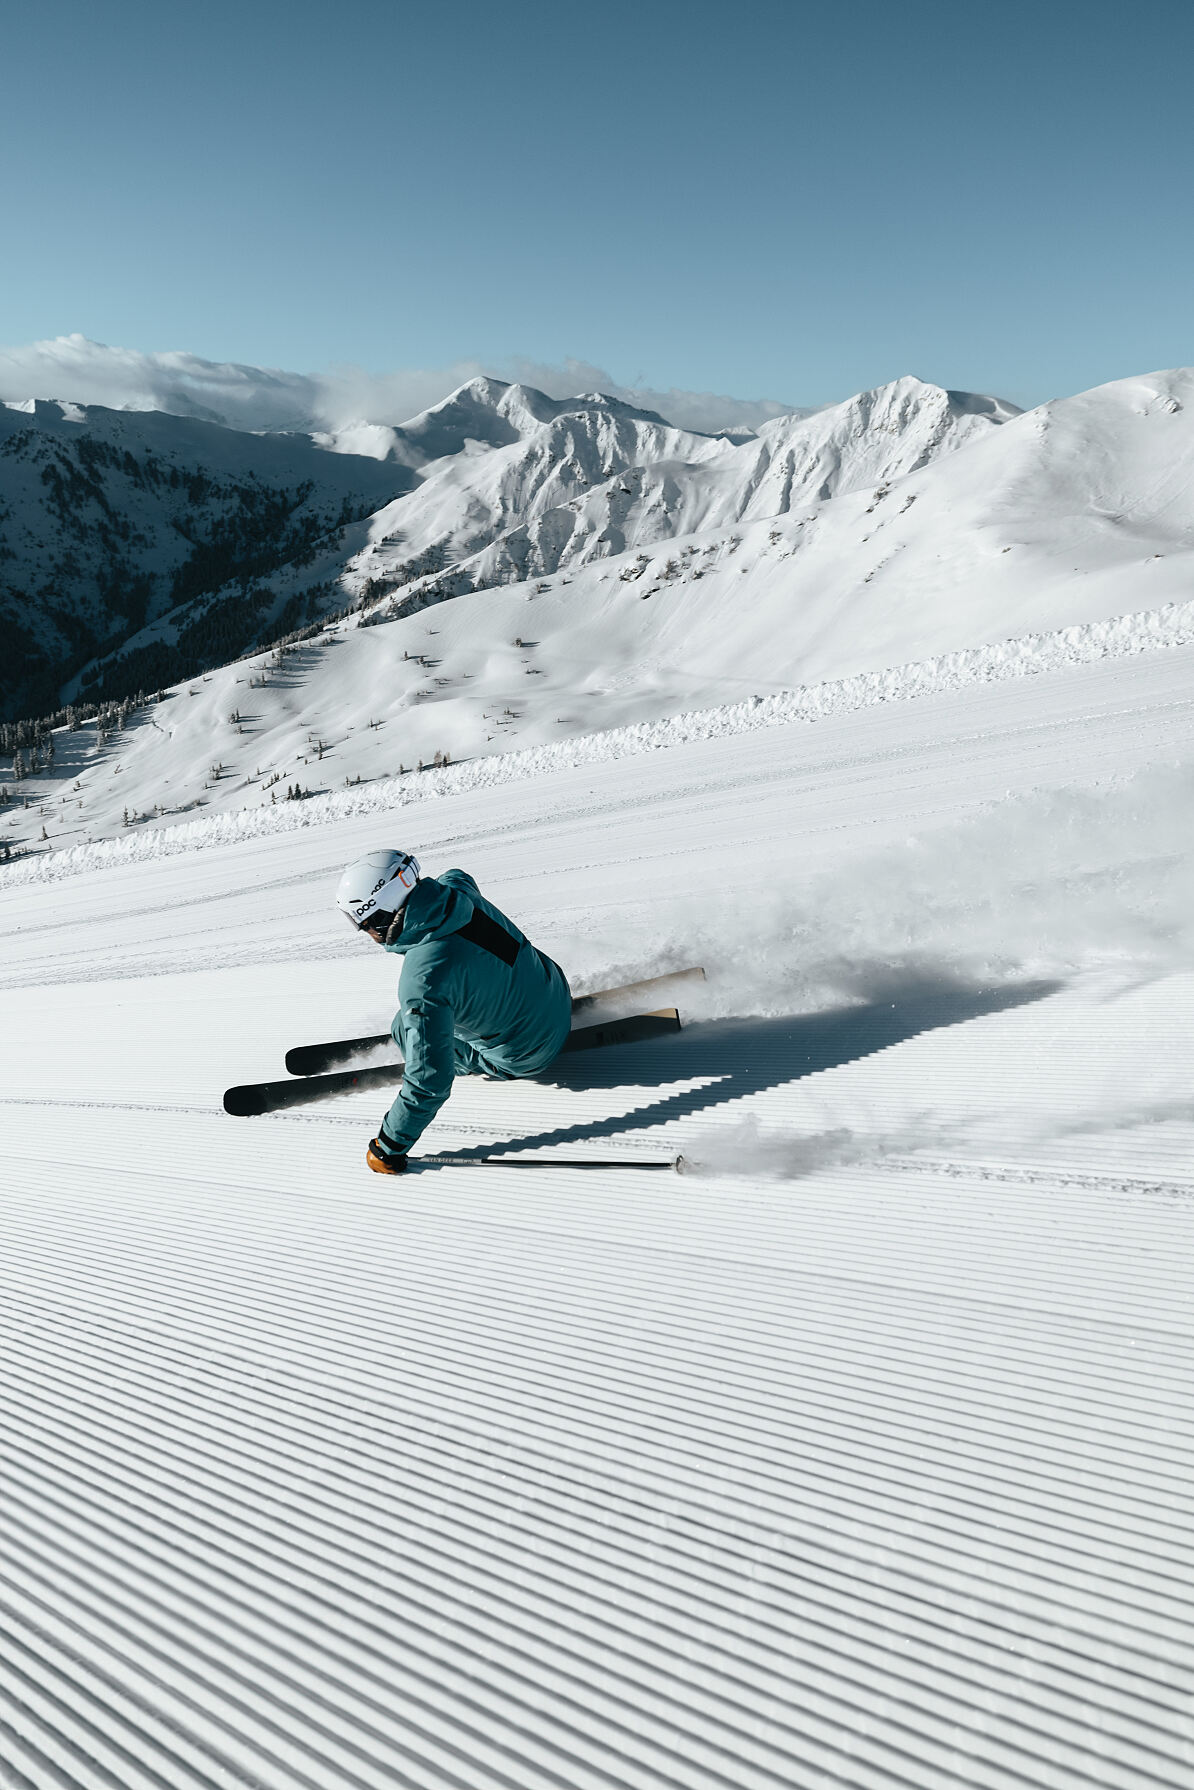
782,200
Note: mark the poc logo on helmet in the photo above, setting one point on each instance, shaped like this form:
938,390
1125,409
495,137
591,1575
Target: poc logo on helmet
377,883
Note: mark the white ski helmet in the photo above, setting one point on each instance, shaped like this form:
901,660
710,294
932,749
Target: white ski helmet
375,887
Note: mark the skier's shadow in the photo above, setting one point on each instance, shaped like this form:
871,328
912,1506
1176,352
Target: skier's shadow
747,1056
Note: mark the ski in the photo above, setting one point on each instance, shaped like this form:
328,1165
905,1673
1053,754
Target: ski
634,992
631,1030
316,1059
253,1098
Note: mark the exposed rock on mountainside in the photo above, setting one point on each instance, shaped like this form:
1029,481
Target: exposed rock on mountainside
108,520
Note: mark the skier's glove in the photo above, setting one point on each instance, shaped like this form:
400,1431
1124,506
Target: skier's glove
383,1159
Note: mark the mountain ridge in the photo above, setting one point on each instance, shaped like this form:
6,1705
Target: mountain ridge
679,483
138,547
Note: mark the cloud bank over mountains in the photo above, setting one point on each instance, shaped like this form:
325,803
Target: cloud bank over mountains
247,397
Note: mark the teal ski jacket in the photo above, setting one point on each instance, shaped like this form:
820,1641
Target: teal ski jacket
475,998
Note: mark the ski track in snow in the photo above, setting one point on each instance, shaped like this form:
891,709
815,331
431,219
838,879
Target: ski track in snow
858,1456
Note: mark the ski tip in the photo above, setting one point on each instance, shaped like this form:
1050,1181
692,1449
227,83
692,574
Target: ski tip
244,1103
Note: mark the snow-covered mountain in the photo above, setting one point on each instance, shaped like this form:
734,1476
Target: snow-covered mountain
140,548
871,546
571,482
495,484
949,524
111,519
1059,519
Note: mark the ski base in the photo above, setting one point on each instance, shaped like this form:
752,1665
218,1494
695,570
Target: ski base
631,1030
632,993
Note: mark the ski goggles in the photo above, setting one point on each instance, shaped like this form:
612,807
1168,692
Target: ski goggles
376,925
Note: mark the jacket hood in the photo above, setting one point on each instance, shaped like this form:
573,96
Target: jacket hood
431,911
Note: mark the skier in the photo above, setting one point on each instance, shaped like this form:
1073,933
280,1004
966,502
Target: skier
475,996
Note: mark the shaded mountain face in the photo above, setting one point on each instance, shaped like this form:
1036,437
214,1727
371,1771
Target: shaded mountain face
110,519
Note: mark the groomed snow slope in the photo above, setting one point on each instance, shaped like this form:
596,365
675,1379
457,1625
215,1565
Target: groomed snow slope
236,806
859,1456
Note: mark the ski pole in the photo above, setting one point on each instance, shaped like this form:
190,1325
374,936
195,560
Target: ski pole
592,1162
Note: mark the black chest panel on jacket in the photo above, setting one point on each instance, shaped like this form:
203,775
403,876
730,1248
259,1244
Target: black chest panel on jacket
491,937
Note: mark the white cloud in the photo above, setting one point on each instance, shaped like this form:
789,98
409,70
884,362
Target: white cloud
347,395
86,372
703,411
247,397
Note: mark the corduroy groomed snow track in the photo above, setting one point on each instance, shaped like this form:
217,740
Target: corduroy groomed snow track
858,1457
886,1480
